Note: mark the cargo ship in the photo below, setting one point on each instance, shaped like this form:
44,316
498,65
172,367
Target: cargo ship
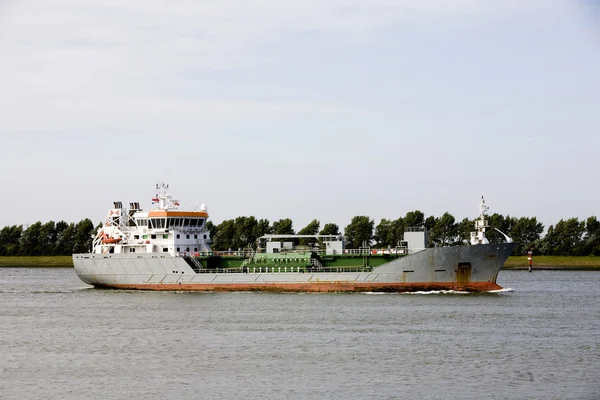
168,248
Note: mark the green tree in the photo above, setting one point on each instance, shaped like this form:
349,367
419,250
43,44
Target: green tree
59,229
389,232
31,240
525,233
224,237
396,232
414,218
84,233
591,245
359,231
10,239
48,238
382,233
330,229
445,231
465,227
504,224
245,232
263,227
212,230
564,239
548,243
283,227
3,235
65,240
429,223
311,229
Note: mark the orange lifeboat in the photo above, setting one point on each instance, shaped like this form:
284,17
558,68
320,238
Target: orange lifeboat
110,240
105,239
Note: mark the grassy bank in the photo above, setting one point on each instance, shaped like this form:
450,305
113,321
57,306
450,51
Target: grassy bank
554,262
43,261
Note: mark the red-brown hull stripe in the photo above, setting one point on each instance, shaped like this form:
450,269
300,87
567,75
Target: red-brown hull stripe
313,287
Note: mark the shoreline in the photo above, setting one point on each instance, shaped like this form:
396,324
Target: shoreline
552,268
36,262
556,263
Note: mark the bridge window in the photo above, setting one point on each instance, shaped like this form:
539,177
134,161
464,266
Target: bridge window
157,223
165,250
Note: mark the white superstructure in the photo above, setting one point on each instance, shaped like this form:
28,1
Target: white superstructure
478,237
164,229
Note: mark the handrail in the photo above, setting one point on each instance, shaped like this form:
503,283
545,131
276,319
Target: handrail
282,270
398,250
244,253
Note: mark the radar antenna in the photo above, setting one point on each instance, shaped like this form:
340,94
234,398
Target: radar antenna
163,198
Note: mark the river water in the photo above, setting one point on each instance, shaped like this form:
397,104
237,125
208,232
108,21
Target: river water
61,339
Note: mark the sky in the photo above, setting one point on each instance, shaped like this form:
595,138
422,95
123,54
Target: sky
300,109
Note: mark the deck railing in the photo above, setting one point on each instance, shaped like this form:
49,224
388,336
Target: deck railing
363,251
281,270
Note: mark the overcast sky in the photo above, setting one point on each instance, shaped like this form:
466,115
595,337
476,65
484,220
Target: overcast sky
304,109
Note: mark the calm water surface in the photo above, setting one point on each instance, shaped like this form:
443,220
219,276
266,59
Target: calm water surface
61,339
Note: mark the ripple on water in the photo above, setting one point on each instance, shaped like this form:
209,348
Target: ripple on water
538,340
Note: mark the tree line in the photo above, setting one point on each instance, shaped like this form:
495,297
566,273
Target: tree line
569,237
49,239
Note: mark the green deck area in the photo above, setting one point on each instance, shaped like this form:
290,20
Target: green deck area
340,261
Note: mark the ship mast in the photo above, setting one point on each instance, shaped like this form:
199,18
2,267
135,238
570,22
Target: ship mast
163,198
478,237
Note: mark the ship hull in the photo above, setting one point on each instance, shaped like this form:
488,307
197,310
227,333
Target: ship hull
465,268
333,287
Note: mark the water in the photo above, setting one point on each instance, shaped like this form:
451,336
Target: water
61,339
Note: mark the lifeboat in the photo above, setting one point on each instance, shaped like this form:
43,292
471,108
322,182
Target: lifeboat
106,239
110,240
